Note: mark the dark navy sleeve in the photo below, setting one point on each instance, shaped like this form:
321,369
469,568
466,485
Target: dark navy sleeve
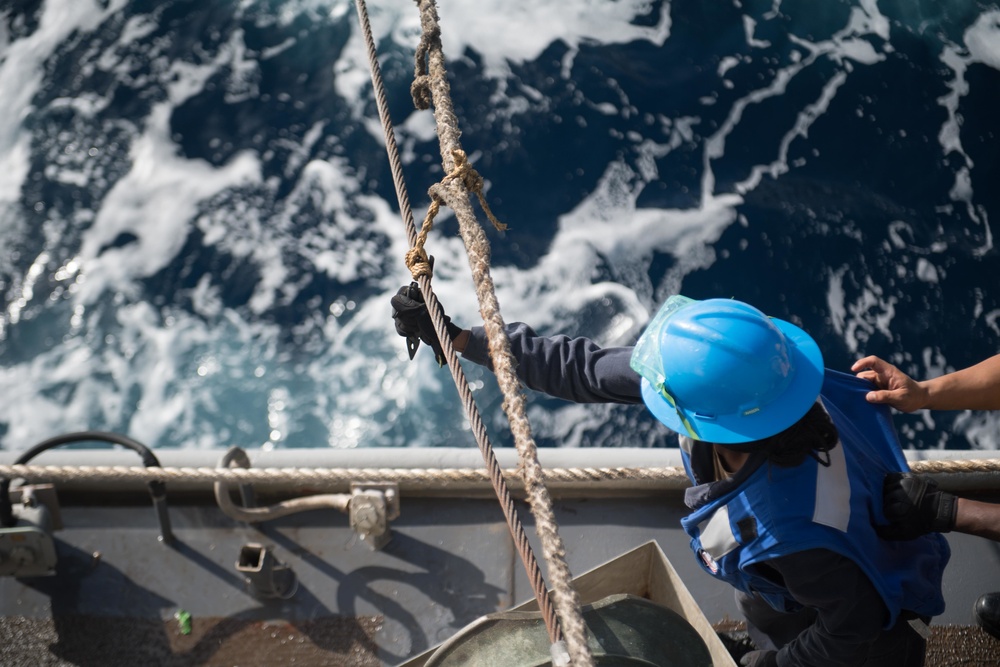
850,612
575,369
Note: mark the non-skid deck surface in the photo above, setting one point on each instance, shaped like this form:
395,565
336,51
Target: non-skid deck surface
332,642
115,642
949,645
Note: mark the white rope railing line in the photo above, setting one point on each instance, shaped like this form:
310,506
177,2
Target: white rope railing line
410,475
323,475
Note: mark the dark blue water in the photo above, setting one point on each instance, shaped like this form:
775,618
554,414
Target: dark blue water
200,235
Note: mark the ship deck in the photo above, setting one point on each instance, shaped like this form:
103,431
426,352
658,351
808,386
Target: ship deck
118,589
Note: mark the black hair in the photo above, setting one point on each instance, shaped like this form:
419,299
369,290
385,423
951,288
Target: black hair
813,435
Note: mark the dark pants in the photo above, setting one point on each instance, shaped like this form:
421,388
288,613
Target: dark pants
899,646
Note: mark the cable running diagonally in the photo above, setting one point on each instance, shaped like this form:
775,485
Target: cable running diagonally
421,273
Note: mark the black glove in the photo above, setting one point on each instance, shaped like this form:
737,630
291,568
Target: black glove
915,506
760,659
413,322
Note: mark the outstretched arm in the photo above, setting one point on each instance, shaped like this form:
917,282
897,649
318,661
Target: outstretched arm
574,369
974,388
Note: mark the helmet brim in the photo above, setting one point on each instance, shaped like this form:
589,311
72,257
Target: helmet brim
772,418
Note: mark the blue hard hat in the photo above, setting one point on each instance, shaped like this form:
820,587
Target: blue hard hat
720,370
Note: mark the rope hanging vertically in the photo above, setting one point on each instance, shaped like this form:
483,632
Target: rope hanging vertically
431,86
566,618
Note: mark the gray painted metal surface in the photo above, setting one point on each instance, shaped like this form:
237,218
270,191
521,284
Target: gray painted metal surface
449,561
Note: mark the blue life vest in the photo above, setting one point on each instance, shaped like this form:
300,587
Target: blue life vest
779,511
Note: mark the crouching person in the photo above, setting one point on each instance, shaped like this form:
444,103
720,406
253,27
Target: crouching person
787,460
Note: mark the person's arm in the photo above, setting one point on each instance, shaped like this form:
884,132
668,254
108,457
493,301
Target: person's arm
978,518
850,612
913,503
574,369
974,388
915,506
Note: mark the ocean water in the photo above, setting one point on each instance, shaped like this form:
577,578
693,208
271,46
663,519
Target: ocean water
199,234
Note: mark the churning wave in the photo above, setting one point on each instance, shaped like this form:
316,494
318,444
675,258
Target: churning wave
200,236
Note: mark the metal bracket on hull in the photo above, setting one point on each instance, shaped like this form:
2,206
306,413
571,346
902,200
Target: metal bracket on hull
372,507
27,548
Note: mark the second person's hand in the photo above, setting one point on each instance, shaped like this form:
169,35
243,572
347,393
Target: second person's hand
894,387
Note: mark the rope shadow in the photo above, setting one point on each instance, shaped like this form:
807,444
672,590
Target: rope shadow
467,598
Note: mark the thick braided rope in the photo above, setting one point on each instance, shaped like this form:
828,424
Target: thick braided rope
660,478
956,466
430,74
419,265
411,478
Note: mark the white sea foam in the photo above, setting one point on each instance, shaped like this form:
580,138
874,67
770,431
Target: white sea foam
982,45
156,201
21,72
216,374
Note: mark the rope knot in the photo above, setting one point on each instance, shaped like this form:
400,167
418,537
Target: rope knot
472,181
416,257
418,262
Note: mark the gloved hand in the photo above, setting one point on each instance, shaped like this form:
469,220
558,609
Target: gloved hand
760,659
413,321
915,506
